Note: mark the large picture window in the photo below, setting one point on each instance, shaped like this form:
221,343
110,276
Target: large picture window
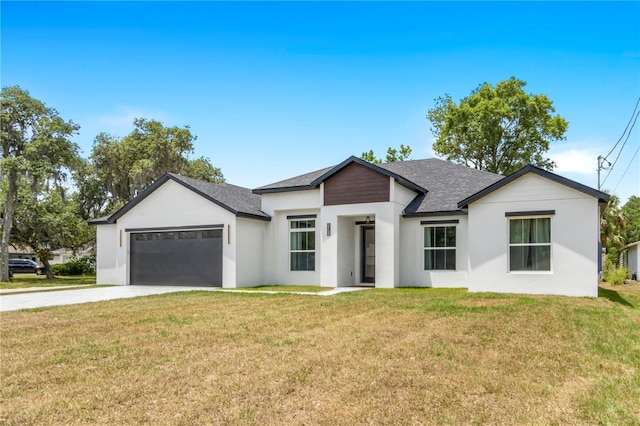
303,245
439,248
530,244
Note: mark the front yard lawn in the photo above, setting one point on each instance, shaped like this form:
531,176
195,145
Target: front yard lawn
402,356
33,280
286,288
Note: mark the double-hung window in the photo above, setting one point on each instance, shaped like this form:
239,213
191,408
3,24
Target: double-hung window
302,245
530,244
439,248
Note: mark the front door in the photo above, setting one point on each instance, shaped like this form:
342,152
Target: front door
368,257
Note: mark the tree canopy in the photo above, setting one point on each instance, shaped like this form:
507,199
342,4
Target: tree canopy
612,228
120,168
47,191
498,129
37,158
631,212
393,155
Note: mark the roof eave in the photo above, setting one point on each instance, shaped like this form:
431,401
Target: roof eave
601,196
155,185
435,213
254,216
261,191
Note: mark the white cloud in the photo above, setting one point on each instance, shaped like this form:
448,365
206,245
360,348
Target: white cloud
575,160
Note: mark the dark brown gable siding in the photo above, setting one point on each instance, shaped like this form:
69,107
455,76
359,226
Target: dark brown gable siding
356,184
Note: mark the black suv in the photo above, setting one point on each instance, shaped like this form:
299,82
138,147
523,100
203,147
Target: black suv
18,266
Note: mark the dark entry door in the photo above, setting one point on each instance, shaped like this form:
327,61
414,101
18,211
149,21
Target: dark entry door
177,258
368,257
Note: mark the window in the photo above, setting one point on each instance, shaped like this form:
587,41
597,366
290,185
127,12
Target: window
530,244
439,248
187,235
303,245
148,236
214,233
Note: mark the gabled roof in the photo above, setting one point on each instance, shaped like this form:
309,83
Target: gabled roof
601,196
439,184
314,179
236,199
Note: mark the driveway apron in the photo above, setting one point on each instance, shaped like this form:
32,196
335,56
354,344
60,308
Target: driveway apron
42,299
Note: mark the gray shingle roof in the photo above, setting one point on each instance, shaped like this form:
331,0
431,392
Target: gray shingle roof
239,200
236,199
296,182
446,183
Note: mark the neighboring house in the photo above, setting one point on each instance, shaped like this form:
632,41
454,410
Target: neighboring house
420,223
631,260
22,253
64,255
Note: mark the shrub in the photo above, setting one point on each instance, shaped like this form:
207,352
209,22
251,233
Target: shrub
84,266
58,269
616,276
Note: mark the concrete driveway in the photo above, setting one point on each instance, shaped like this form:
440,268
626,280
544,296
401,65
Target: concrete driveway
14,302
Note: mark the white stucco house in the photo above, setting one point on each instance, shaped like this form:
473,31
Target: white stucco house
420,223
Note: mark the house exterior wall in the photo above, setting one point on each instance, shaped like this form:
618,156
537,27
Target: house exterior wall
293,200
633,260
337,250
107,255
276,242
574,239
250,240
170,205
412,272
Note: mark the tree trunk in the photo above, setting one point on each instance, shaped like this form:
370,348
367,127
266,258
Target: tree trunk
43,255
7,223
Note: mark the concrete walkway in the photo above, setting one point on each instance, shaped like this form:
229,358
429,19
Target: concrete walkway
45,298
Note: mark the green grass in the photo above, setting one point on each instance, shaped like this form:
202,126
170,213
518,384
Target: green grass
401,356
33,280
287,288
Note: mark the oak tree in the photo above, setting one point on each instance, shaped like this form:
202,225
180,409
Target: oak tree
37,155
393,155
119,168
497,128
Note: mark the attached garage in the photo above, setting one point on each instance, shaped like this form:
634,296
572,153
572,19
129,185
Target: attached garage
184,232
191,257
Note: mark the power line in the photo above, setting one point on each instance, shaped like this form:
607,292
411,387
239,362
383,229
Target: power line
625,129
623,144
627,169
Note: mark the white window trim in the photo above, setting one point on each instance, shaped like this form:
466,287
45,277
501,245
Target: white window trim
549,244
291,230
455,249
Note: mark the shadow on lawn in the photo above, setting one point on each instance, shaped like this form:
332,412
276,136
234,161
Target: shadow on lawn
614,296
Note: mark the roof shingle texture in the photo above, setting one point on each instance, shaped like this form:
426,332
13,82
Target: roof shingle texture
447,183
237,198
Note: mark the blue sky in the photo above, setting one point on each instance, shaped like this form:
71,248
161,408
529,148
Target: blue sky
273,90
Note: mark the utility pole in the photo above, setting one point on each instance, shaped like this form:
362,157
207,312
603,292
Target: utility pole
601,250
601,161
